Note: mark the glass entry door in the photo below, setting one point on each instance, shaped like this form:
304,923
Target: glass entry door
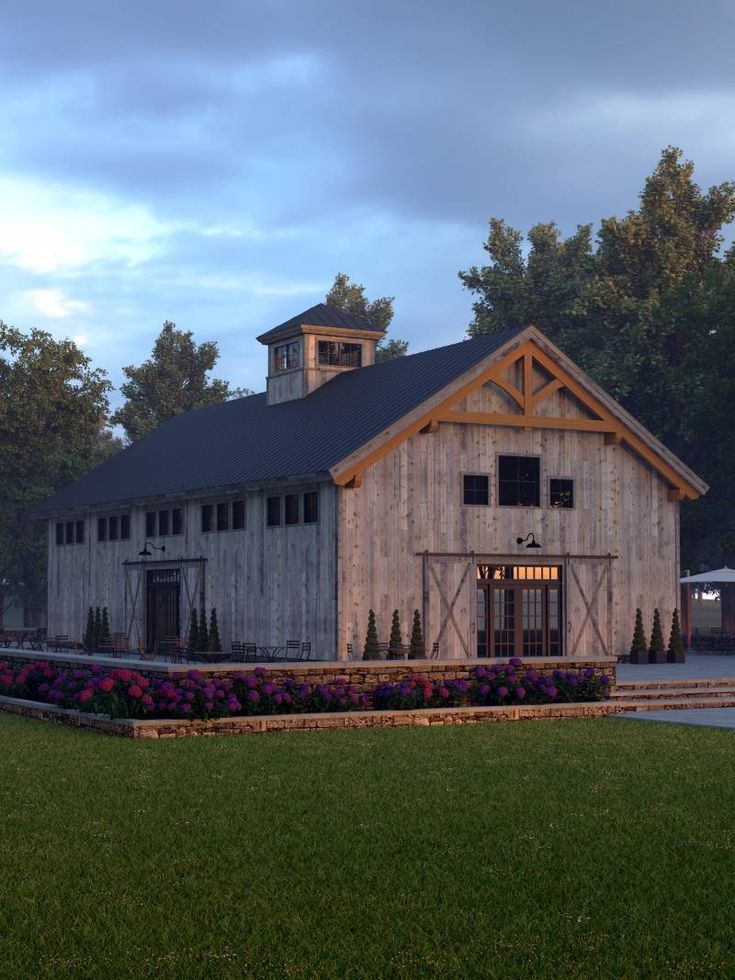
163,595
519,611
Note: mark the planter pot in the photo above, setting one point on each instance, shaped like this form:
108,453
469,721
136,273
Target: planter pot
639,657
657,658
678,657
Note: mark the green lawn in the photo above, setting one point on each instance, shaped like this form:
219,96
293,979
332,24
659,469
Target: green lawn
561,849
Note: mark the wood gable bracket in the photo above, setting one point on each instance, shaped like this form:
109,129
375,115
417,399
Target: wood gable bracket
522,362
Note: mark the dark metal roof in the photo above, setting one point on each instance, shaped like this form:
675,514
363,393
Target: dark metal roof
320,315
245,441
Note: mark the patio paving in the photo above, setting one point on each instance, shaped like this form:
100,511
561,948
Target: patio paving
705,717
697,666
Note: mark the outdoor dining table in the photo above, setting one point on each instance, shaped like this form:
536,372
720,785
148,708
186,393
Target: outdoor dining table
271,652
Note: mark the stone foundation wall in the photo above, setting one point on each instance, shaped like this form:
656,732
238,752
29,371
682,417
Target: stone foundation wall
263,724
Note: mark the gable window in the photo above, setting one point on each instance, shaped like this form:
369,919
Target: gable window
340,355
273,511
70,532
519,481
102,529
561,494
59,533
207,513
164,522
177,521
238,515
476,489
112,528
291,502
124,527
150,524
223,516
287,356
79,530
311,507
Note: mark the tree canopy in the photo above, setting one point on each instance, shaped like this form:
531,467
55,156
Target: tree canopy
174,379
350,297
647,309
53,428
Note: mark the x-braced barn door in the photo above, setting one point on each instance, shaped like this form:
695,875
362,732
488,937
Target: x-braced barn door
448,586
590,605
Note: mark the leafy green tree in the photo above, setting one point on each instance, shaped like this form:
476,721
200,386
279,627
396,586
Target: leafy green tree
53,414
648,311
371,639
418,648
350,297
657,649
396,640
174,380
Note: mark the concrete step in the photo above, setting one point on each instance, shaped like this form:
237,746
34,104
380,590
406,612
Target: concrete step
689,682
679,692
659,704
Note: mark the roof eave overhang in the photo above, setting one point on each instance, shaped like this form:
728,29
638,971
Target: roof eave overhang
283,333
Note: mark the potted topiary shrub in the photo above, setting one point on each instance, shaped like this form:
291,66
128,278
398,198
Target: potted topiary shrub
203,640
418,649
639,646
215,645
395,643
675,653
89,632
657,649
371,651
192,640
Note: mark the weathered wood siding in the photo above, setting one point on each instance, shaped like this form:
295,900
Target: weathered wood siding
268,584
410,501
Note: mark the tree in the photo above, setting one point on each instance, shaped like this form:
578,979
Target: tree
104,627
89,632
215,643
350,297
193,637
396,640
174,379
418,648
97,627
648,311
203,641
657,649
371,651
675,651
53,412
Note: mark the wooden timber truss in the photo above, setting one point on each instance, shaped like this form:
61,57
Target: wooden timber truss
516,374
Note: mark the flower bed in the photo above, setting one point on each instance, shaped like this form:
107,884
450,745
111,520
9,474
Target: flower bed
125,693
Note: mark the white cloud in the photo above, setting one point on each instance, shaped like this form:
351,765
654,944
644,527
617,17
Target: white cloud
56,304
49,228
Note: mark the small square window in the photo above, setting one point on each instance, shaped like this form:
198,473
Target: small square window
59,533
519,483
311,507
223,516
70,532
150,524
80,532
124,527
292,508
162,523
476,489
113,526
561,494
207,514
102,529
238,515
273,516
177,521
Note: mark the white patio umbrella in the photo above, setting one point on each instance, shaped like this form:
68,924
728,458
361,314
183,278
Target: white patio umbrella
725,578
714,577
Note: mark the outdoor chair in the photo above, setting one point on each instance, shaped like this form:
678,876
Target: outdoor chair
306,650
382,651
351,653
292,650
119,644
435,650
398,653
37,639
237,650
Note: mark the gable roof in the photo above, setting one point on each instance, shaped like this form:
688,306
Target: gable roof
321,315
247,441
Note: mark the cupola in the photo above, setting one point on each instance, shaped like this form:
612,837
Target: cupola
311,348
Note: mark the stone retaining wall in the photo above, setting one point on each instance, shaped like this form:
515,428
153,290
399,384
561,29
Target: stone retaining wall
185,728
365,674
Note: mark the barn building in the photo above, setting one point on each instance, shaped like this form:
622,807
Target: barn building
489,484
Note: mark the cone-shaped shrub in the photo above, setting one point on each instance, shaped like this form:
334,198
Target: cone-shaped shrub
89,632
371,640
639,646
97,627
214,640
418,649
104,627
675,652
657,649
203,643
396,640
193,635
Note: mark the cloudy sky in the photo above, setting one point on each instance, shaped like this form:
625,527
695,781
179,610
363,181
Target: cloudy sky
217,163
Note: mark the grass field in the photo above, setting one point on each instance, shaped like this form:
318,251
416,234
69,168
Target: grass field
581,848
